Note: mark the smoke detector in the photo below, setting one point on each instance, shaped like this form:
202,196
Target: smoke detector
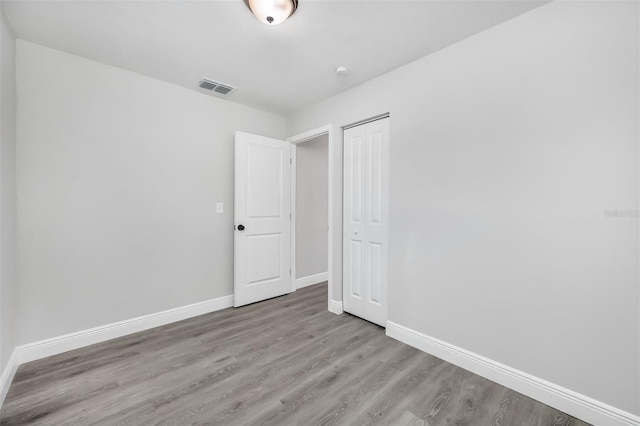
342,71
216,86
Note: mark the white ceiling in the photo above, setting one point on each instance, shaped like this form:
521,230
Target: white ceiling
278,68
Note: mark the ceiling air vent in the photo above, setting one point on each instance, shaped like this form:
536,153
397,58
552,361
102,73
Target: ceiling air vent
216,86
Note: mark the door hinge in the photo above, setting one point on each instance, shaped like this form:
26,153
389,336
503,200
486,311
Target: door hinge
290,161
290,217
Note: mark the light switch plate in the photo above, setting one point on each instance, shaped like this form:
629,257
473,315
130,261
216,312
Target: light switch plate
219,207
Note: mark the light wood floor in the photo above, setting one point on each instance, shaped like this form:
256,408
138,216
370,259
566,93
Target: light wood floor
283,361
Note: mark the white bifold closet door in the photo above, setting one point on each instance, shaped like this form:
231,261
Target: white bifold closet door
365,223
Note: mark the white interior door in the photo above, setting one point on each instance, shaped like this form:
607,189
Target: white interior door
365,227
262,214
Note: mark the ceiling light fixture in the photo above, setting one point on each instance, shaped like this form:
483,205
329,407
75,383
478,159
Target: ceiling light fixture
272,12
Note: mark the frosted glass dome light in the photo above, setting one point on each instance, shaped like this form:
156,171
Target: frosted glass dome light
272,12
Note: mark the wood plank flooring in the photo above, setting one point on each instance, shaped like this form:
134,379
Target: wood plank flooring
285,361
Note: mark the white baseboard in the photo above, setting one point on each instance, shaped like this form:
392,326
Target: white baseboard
568,401
7,375
57,345
336,307
311,280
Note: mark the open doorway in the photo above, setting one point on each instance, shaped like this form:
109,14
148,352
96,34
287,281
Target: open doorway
311,211
315,148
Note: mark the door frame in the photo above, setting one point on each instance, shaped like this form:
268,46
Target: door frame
296,140
335,203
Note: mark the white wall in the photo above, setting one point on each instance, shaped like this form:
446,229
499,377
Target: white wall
506,151
118,176
312,206
8,280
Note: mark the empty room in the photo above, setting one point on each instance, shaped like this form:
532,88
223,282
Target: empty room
320,212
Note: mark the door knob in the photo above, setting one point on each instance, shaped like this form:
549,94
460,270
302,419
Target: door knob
240,227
